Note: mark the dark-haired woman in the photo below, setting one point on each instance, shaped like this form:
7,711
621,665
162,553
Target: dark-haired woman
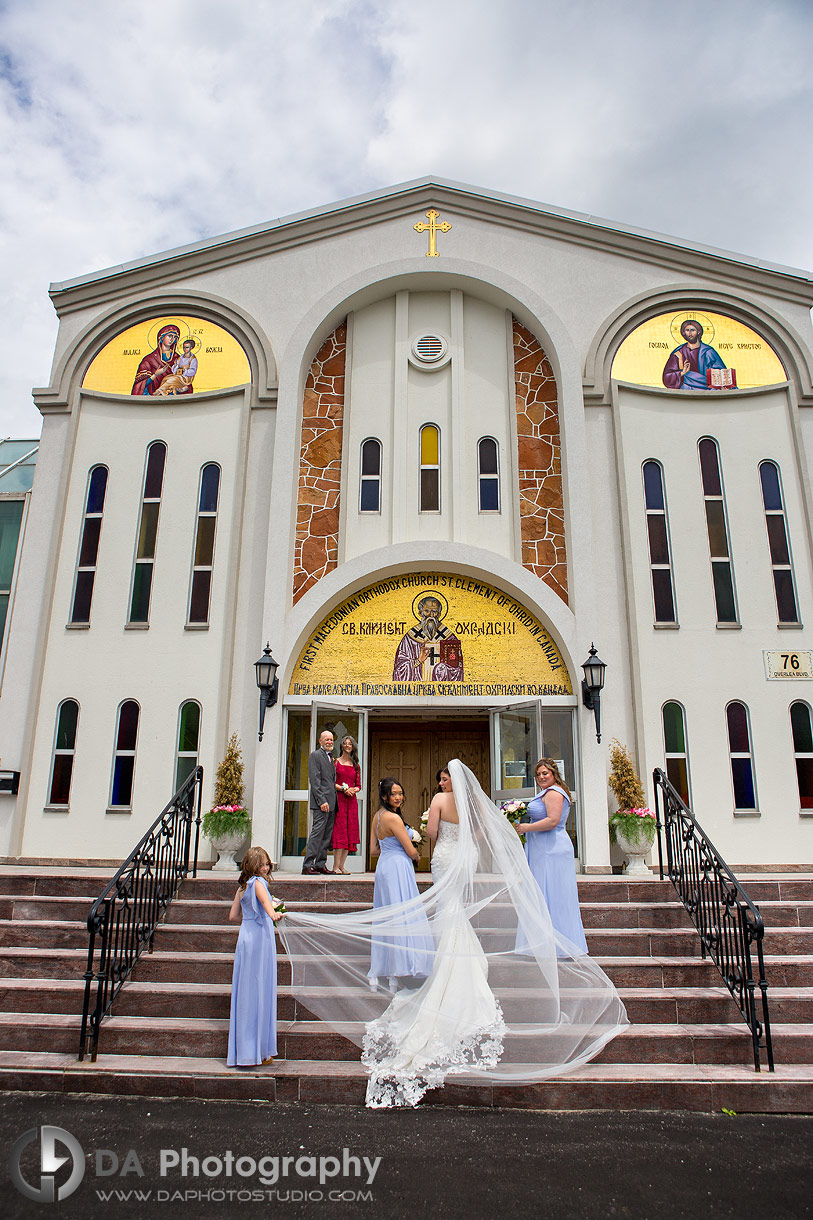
348,786
404,959
253,1016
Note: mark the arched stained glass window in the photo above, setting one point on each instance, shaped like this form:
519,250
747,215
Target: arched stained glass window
660,552
188,741
124,755
147,533
676,749
488,473
370,477
800,722
717,528
204,554
429,488
778,543
67,720
741,754
89,546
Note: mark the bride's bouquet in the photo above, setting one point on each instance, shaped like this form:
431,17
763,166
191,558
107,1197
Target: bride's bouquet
415,835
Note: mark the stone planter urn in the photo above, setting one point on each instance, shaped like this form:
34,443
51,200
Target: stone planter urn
636,850
226,846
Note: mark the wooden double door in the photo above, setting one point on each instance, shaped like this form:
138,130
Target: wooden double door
414,751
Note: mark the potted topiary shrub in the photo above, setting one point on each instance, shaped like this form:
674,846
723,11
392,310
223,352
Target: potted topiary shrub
632,826
228,822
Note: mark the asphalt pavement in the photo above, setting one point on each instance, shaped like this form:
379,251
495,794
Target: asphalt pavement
140,1158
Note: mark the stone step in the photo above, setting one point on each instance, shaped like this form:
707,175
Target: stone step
706,1088
679,1005
298,1040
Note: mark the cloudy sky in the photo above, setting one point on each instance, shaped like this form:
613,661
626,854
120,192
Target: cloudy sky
129,129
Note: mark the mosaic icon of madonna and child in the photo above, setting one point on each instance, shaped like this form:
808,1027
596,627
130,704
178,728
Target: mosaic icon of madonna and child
429,652
165,371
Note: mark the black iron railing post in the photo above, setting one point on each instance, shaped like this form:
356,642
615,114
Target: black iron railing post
123,919
726,919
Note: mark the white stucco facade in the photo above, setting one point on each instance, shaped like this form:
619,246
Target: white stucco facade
579,287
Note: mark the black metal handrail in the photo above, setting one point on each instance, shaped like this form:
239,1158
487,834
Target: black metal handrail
728,921
123,919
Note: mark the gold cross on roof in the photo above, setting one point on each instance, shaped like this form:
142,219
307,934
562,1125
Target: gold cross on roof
434,228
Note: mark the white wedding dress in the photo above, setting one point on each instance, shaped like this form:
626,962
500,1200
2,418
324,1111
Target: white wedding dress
451,1024
485,1013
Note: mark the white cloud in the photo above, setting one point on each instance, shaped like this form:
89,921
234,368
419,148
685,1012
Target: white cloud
127,131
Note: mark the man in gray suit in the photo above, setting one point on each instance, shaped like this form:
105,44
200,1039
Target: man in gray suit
323,802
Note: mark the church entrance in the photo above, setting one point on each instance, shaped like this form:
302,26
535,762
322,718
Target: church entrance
414,750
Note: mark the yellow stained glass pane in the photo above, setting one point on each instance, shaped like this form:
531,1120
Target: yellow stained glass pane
169,356
655,353
430,445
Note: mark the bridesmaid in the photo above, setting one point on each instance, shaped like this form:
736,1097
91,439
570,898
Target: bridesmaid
406,960
550,853
348,786
253,1016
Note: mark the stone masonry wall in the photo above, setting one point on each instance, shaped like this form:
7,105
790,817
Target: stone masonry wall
320,465
541,503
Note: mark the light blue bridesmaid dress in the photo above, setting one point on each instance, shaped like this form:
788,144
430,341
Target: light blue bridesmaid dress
253,1017
551,860
407,952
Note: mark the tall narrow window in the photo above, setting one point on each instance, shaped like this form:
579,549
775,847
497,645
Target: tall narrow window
67,718
147,533
188,741
203,559
717,526
488,472
430,469
11,515
675,749
742,760
777,527
121,789
370,482
89,546
660,555
803,749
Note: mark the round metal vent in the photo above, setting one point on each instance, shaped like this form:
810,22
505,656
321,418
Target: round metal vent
430,350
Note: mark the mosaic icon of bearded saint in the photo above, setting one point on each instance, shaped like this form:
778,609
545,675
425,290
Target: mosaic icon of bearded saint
156,374
429,652
688,364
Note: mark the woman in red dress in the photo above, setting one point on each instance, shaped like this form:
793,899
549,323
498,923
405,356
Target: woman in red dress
348,785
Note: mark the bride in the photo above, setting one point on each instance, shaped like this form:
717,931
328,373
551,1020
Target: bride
484,1013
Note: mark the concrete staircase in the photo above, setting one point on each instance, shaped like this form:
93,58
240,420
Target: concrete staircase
686,1048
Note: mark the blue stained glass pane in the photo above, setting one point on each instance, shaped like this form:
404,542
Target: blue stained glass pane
653,485
97,489
122,793
489,495
370,496
743,776
771,493
209,488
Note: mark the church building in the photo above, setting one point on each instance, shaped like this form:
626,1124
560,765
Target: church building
432,444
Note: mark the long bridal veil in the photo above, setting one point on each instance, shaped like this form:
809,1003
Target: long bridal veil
507,998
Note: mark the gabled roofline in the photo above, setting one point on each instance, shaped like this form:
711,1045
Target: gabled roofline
375,207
